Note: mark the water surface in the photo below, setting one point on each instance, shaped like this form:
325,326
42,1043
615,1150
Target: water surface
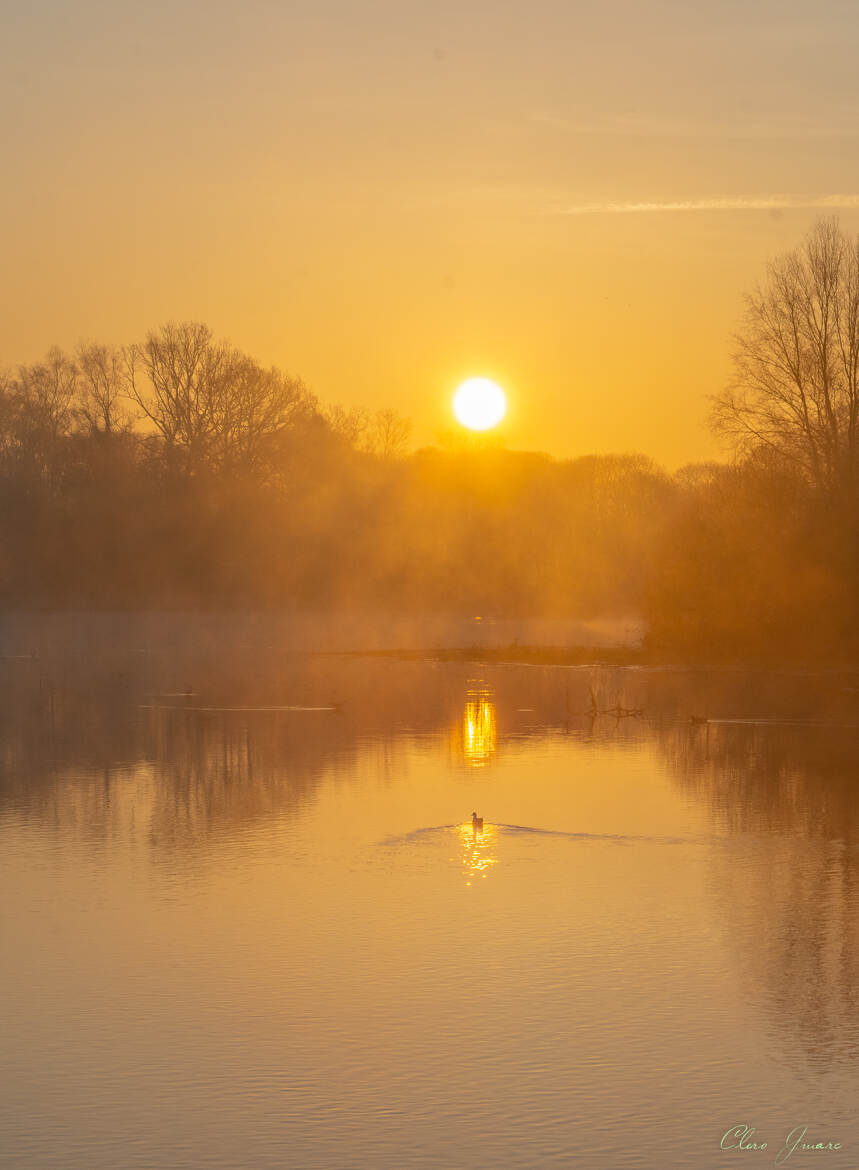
246,922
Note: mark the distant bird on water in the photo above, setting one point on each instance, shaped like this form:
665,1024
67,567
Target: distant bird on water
476,823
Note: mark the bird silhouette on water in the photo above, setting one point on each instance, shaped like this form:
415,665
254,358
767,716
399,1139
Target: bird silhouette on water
476,823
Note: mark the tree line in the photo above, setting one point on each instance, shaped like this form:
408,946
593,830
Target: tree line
763,554
180,472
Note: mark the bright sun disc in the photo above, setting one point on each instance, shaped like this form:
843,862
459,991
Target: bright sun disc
479,404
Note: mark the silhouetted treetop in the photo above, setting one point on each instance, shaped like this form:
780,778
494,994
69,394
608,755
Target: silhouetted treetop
212,405
796,358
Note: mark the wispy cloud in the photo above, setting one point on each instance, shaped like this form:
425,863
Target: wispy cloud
835,124
738,203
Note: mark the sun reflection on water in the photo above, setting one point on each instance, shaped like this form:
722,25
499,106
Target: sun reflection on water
478,850
479,728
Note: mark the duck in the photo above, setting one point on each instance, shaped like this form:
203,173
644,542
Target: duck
476,823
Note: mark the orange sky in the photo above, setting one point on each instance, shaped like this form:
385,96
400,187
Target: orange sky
387,197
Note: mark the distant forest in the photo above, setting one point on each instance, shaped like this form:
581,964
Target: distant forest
180,472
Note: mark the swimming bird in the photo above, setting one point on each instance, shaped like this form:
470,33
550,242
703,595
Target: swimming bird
476,823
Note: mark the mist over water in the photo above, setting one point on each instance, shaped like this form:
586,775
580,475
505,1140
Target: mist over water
247,920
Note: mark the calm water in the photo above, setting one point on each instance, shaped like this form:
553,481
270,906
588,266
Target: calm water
250,926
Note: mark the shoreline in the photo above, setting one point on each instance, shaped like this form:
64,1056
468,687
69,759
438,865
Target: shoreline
594,656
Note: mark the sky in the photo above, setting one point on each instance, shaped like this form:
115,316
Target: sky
385,198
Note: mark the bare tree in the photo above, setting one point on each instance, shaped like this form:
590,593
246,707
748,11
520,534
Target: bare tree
41,414
256,406
796,382
384,432
181,368
103,390
210,402
8,413
350,423
389,433
46,393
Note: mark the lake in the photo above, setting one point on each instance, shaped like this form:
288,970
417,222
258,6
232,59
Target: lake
246,921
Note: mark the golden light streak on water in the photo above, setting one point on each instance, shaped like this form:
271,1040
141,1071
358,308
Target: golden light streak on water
478,850
479,728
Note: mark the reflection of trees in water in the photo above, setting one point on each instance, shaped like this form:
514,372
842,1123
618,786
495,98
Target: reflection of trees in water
181,777
100,748
113,753
88,742
770,777
790,896
216,773
102,744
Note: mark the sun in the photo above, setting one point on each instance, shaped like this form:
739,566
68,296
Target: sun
479,404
